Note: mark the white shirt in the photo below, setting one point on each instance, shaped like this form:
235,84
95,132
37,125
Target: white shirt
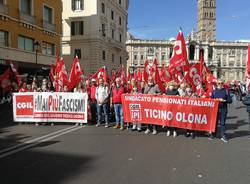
102,93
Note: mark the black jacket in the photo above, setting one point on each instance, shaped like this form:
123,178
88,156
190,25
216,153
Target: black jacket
246,101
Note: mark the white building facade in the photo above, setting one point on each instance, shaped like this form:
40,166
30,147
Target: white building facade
226,59
95,31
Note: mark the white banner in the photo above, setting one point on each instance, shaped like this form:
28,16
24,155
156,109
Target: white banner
50,107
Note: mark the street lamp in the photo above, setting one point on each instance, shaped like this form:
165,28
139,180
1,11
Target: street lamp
36,46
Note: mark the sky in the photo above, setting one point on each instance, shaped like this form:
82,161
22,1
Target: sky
161,19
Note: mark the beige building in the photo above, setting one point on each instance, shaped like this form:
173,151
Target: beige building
226,59
95,31
30,33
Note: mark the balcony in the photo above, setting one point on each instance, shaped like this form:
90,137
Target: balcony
49,26
4,9
27,18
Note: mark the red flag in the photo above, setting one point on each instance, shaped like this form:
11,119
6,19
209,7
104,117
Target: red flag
123,75
248,69
157,76
61,75
5,80
128,77
75,74
146,71
105,75
113,76
135,75
202,64
102,73
139,75
52,72
179,59
165,75
14,70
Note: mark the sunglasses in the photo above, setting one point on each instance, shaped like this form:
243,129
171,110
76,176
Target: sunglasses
219,83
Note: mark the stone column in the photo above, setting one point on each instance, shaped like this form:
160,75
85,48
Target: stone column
196,55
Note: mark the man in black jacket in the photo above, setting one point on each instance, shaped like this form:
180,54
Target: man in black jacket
223,96
246,101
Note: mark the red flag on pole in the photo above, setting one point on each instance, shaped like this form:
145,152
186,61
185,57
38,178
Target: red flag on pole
248,69
139,75
14,70
75,74
5,80
146,71
179,59
61,75
202,63
101,73
157,76
135,75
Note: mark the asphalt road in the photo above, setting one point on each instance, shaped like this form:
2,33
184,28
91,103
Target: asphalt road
65,154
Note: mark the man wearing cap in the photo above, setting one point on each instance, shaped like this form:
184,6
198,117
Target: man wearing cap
223,96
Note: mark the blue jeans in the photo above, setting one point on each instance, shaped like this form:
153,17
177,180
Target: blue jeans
101,107
118,114
222,115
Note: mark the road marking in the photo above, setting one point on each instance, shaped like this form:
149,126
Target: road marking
37,143
36,139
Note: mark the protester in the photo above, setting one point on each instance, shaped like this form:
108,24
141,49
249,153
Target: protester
92,100
190,94
135,90
246,101
182,89
171,90
151,88
23,88
223,96
101,95
44,85
116,100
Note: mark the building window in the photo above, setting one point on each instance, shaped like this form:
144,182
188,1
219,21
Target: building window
103,30
113,58
120,37
112,14
113,34
120,60
142,57
77,28
120,21
4,38
78,53
26,6
120,2
163,57
48,14
103,8
48,48
1,1
25,43
135,57
77,5
103,55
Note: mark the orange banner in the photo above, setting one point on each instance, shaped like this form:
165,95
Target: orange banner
172,111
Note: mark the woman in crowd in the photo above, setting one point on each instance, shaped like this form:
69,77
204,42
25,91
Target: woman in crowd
190,94
135,90
172,90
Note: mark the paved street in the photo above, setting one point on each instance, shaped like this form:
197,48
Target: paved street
67,154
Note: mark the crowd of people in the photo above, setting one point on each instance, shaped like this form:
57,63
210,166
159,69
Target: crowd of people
105,104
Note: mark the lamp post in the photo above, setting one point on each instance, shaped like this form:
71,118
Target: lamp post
36,46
